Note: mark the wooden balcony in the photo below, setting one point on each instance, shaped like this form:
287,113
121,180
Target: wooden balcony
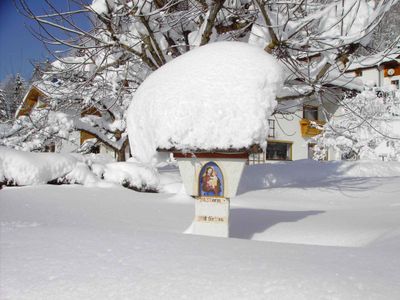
307,130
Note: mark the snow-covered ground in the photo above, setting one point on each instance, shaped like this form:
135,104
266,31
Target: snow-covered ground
300,230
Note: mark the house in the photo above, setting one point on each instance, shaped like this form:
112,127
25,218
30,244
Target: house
290,134
293,126
37,97
382,73
291,131
380,70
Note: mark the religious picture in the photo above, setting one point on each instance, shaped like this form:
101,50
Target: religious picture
211,180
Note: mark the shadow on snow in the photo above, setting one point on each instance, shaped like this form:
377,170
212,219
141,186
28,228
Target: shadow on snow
245,222
336,175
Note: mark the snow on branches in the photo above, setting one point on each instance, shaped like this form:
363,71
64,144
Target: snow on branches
113,46
366,126
314,39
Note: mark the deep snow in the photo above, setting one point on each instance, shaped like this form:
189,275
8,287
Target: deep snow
30,168
301,230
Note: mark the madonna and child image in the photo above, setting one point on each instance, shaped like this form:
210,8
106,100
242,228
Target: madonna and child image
211,180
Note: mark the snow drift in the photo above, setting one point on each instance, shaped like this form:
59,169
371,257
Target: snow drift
27,168
314,242
310,173
217,96
129,174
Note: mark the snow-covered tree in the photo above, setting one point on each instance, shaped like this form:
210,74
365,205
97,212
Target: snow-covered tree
33,132
3,110
312,37
70,102
96,102
126,40
14,88
387,32
366,126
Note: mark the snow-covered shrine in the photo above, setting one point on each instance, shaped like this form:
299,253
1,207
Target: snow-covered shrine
212,178
209,107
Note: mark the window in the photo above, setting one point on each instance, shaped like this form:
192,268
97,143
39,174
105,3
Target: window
279,151
349,155
310,112
271,132
395,83
379,93
95,149
50,148
256,158
358,72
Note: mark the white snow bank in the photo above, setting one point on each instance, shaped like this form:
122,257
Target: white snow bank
81,174
26,168
128,174
74,242
308,173
216,96
300,173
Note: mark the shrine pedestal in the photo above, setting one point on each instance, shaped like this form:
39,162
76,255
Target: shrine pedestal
212,178
228,167
211,216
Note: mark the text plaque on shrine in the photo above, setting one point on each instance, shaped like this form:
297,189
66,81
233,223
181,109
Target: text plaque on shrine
212,216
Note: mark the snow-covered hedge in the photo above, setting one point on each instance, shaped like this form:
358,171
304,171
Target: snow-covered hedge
23,168
27,168
128,174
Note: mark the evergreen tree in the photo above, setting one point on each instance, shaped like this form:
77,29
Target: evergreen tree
14,89
3,113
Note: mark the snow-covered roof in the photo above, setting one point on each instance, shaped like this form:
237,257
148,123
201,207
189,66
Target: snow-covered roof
33,91
345,81
47,88
218,96
374,60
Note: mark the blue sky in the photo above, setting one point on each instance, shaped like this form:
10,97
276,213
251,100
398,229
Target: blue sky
17,46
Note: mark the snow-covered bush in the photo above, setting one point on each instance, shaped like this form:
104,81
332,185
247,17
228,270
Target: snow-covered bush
27,168
129,174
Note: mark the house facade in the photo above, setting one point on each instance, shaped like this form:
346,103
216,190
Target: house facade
291,131
37,98
378,71
382,72
290,135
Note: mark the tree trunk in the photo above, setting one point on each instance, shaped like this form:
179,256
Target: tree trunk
120,154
